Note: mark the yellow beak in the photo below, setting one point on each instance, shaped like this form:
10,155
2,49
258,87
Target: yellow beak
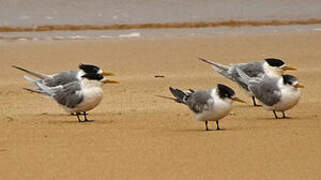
238,100
111,82
107,74
298,86
285,68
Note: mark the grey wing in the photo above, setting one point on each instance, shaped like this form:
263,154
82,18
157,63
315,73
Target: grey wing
267,91
199,101
69,95
253,69
61,78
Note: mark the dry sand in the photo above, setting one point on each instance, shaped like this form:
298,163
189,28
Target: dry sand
136,135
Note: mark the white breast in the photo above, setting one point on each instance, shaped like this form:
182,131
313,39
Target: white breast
289,98
92,93
218,109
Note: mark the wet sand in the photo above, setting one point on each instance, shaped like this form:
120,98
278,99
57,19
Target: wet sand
136,135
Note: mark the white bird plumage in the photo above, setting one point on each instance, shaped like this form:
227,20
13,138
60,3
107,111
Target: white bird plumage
76,91
270,67
208,105
277,94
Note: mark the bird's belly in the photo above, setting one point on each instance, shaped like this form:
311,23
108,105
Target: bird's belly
287,101
214,114
91,100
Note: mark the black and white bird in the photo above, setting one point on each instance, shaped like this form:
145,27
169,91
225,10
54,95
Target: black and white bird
270,67
76,96
208,105
63,77
276,93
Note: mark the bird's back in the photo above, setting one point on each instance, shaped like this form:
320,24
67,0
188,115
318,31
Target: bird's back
252,69
61,78
199,101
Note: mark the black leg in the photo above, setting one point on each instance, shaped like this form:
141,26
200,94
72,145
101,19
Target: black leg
206,125
276,117
77,114
254,102
284,116
85,115
217,126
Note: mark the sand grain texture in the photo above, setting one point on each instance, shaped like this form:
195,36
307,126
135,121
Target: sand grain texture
136,135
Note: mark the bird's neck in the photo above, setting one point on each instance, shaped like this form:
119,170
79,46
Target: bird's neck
90,84
80,73
272,71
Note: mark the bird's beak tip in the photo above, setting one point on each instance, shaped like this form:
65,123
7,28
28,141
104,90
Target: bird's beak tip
299,86
286,68
107,74
111,82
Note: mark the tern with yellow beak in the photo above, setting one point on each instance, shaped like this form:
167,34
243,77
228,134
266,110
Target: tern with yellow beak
207,105
270,67
64,77
77,96
276,94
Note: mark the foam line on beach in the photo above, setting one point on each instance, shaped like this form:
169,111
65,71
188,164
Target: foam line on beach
230,23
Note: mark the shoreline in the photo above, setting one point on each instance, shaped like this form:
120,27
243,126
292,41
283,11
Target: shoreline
230,23
151,33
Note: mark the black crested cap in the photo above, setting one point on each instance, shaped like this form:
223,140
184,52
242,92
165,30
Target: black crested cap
274,62
93,76
224,91
289,79
89,68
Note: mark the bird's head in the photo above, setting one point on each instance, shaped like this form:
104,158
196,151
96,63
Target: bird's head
227,93
92,69
276,67
94,77
292,81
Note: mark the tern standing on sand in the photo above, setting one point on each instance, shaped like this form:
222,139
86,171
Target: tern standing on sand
76,96
276,93
208,105
270,67
63,77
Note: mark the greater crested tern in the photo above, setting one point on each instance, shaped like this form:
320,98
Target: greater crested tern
63,77
276,93
271,67
76,96
207,105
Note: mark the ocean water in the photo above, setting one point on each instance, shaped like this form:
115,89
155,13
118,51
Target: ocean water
44,12
33,13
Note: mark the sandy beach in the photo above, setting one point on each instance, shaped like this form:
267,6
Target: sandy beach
136,135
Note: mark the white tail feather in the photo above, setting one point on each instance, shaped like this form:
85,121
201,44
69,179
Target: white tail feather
49,91
30,79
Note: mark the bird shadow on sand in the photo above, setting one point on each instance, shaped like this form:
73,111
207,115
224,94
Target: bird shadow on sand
198,130
279,119
71,121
